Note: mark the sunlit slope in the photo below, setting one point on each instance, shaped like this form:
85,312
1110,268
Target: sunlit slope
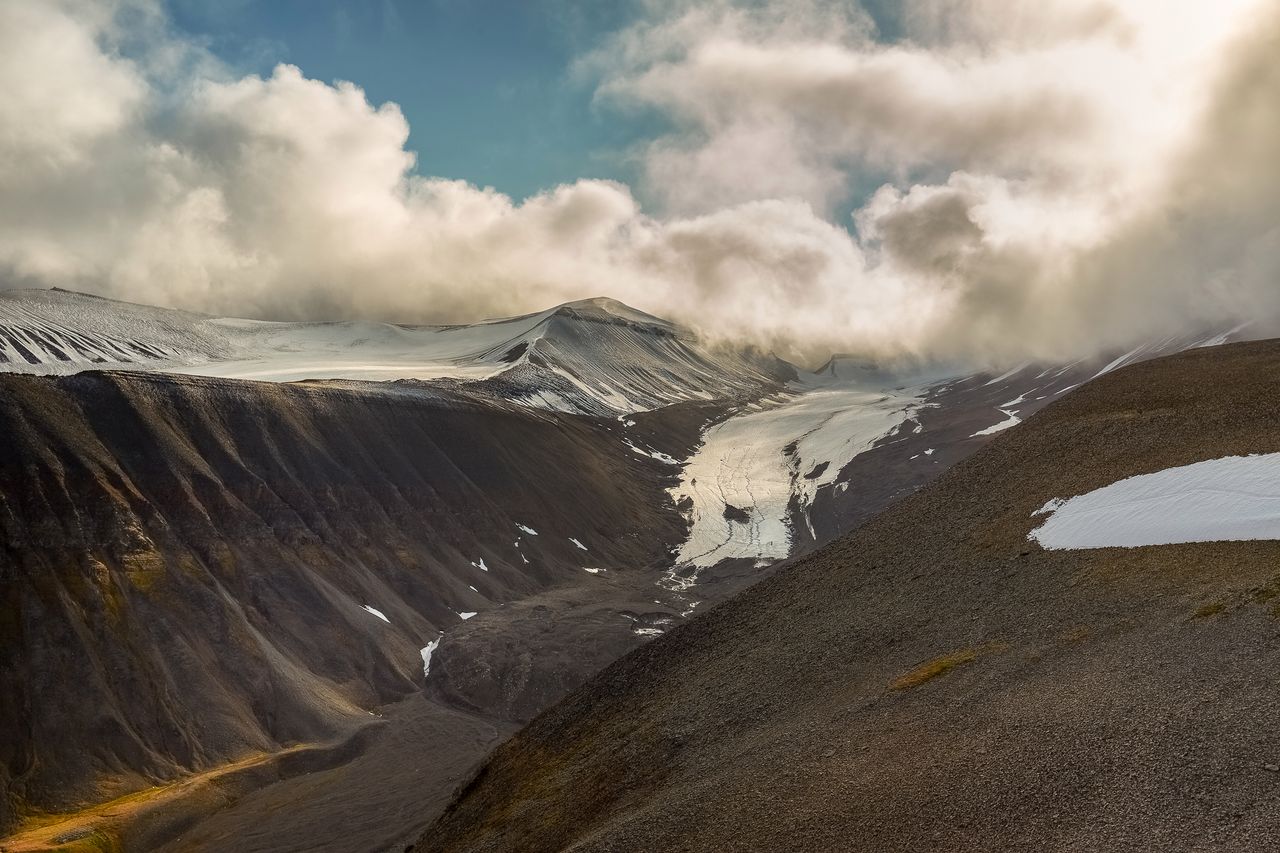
939,680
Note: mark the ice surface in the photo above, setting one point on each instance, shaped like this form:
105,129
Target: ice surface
1230,499
762,459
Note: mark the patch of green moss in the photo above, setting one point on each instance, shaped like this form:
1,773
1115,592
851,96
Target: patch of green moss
1209,610
930,670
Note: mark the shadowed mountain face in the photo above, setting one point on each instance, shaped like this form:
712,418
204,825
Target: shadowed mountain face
192,570
937,680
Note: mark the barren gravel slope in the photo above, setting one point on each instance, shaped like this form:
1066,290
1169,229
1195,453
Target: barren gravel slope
935,680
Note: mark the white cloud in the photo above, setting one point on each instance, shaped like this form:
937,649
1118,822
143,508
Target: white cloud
61,92
1057,177
1033,154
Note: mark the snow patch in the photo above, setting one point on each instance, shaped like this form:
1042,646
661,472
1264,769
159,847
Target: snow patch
1219,340
480,565
466,614
579,544
1118,362
1236,498
1011,420
528,530
426,651
652,454
376,612
1021,398
1003,376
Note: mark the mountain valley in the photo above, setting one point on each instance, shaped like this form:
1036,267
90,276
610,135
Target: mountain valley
362,575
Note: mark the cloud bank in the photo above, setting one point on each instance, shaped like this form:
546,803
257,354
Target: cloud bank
1027,178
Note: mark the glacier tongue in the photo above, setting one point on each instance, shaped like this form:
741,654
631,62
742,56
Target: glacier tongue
751,469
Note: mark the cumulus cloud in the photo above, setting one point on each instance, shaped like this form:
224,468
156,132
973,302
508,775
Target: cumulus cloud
1056,177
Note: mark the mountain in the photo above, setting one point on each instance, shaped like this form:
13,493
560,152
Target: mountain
938,679
596,356
198,569
258,614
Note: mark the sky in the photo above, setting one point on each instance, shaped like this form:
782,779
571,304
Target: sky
987,181
485,85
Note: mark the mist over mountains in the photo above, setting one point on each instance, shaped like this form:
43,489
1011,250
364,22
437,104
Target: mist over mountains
990,183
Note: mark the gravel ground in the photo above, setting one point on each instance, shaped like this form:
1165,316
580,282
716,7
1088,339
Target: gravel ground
935,681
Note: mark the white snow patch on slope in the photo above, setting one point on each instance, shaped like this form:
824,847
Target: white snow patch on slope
1118,362
1011,420
1219,340
652,454
480,565
466,614
528,530
1236,498
426,655
376,612
1003,376
579,544
1021,398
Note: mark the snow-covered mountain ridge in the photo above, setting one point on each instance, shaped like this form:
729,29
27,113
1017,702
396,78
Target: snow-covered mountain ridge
595,356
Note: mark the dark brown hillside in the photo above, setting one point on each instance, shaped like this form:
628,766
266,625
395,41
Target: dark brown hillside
185,563
935,681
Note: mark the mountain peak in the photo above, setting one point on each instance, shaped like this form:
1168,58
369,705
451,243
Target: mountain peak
604,307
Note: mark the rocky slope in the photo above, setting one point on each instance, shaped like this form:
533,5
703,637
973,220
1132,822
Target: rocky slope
196,569
937,680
